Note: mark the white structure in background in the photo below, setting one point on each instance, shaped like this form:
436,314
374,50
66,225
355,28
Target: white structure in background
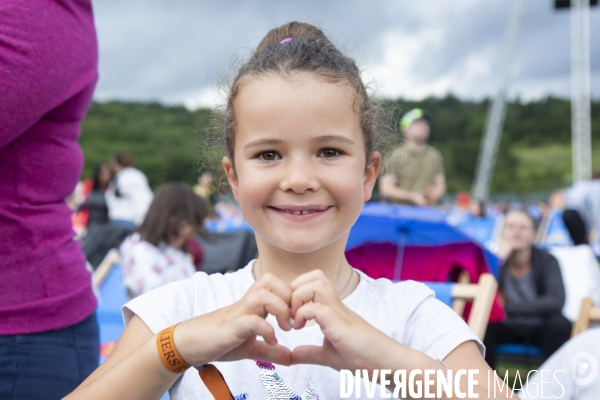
497,111
580,90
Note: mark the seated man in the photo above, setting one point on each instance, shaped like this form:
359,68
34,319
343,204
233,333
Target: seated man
416,170
531,287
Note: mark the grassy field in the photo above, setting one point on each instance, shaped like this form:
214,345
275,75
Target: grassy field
546,167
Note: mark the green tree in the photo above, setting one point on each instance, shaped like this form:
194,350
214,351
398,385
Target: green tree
169,143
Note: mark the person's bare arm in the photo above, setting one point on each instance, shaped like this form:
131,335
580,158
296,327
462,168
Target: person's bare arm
465,356
436,191
388,187
134,370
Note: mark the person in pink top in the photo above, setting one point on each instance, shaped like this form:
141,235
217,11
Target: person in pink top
48,71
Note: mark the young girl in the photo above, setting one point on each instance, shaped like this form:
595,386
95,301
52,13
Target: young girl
155,254
299,132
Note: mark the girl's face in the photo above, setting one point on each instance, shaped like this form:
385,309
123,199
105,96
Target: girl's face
300,168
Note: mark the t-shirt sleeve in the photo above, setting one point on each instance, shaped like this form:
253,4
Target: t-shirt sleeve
434,328
163,306
438,163
395,165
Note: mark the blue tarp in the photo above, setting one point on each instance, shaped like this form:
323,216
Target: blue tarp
556,232
481,229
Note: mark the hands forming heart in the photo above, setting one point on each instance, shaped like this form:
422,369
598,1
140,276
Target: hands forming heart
230,333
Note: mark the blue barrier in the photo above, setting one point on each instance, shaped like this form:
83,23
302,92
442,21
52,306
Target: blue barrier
443,291
112,296
519,350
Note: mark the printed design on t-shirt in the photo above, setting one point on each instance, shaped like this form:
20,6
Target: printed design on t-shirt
276,388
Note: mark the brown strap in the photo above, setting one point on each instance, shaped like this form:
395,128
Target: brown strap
215,383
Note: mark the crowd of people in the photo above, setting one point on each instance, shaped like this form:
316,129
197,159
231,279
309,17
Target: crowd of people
530,284
301,162
157,234
117,192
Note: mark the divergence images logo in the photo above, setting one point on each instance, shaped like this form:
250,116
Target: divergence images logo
585,368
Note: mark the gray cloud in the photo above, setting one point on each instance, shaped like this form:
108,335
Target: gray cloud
174,51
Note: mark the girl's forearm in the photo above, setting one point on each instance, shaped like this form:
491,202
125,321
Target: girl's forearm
407,359
139,375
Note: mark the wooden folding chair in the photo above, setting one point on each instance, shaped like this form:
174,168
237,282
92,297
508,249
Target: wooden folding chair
109,261
481,294
588,314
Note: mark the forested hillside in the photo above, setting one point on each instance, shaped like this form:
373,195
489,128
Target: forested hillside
534,156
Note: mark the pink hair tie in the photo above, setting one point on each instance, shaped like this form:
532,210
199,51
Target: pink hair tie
286,40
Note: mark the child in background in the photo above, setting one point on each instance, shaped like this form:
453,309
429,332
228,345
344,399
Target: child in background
300,136
156,253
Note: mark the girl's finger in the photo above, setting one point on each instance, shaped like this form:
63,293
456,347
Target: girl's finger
321,313
277,354
253,325
275,285
307,354
262,302
313,291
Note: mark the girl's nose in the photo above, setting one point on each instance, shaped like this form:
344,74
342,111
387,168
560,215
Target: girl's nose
300,175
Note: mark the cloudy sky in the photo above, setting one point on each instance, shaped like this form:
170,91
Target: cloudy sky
174,51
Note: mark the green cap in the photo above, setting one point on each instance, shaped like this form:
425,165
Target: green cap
412,116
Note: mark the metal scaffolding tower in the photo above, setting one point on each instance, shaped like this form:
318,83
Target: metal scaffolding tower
580,90
497,111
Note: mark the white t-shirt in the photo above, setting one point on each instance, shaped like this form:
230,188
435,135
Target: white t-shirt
571,373
584,196
406,311
134,196
146,267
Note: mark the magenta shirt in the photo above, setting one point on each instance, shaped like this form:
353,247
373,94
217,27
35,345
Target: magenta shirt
48,70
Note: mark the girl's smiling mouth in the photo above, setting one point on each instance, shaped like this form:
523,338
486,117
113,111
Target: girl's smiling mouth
299,212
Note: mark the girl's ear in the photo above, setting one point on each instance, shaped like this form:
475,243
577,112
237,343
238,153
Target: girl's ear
231,176
371,174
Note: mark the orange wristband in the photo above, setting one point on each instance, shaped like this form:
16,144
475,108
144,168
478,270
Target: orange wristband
168,353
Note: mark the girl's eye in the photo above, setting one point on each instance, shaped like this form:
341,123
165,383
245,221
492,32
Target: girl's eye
330,153
268,156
